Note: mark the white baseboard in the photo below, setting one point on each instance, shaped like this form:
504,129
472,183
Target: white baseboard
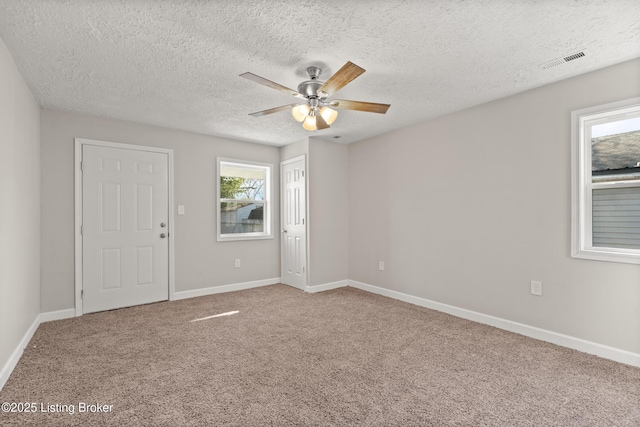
8,367
57,315
579,344
327,286
224,288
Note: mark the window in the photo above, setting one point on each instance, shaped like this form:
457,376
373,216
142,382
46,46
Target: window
244,204
606,182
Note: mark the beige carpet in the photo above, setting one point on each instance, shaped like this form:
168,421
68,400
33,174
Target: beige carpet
337,358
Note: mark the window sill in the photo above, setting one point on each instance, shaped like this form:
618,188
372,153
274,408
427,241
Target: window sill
235,238
608,255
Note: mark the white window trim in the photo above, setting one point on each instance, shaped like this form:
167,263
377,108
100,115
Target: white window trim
267,234
581,185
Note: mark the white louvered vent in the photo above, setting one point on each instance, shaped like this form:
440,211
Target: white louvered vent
564,59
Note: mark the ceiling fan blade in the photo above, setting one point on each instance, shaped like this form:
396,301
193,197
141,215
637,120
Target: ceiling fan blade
341,78
273,85
321,123
273,110
369,107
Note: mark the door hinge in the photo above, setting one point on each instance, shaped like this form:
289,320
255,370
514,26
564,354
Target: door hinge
302,221
81,166
81,230
81,293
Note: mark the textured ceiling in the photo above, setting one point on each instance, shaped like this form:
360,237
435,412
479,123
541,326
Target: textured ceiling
176,63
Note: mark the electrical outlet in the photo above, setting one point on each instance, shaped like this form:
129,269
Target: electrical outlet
536,288
237,263
381,265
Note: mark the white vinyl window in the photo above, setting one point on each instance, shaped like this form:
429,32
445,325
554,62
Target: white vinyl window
606,182
244,200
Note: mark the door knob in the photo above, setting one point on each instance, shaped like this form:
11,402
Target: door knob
284,231
163,235
162,224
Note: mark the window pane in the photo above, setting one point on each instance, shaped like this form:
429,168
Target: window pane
616,218
242,183
615,151
243,200
238,217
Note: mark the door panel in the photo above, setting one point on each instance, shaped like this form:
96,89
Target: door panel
145,265
110,203
294,229
125,261
110,269
144,207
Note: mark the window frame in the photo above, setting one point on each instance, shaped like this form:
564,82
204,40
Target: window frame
582,186
267,210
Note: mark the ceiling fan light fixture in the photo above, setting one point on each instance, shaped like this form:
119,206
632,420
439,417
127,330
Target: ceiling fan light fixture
315,113
300,112
310,123
328,115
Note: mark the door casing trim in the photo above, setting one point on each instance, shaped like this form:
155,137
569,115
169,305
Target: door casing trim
79,143
306,226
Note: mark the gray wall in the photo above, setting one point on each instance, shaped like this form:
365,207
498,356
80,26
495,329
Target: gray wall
294,149
201,261
328,216
19,207
467,209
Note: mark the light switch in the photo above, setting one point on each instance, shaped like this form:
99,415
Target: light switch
180,210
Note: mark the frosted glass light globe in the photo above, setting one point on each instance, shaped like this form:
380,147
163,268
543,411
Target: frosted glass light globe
328,115
299,112
310,123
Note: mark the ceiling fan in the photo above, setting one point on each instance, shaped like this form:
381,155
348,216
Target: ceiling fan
316,112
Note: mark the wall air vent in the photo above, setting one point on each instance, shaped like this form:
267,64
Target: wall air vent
564,59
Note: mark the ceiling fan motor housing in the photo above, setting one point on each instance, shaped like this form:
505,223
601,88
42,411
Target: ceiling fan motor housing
310,88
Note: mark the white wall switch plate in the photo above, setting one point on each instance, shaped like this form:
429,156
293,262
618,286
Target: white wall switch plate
180,210
381,265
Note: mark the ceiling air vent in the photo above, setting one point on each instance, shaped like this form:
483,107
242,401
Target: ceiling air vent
564,59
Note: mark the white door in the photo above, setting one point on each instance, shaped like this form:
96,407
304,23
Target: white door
294,227
125,211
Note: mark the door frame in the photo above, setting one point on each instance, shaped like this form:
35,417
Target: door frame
306,225
79,143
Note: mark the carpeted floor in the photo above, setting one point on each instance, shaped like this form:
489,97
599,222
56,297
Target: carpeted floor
336,358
